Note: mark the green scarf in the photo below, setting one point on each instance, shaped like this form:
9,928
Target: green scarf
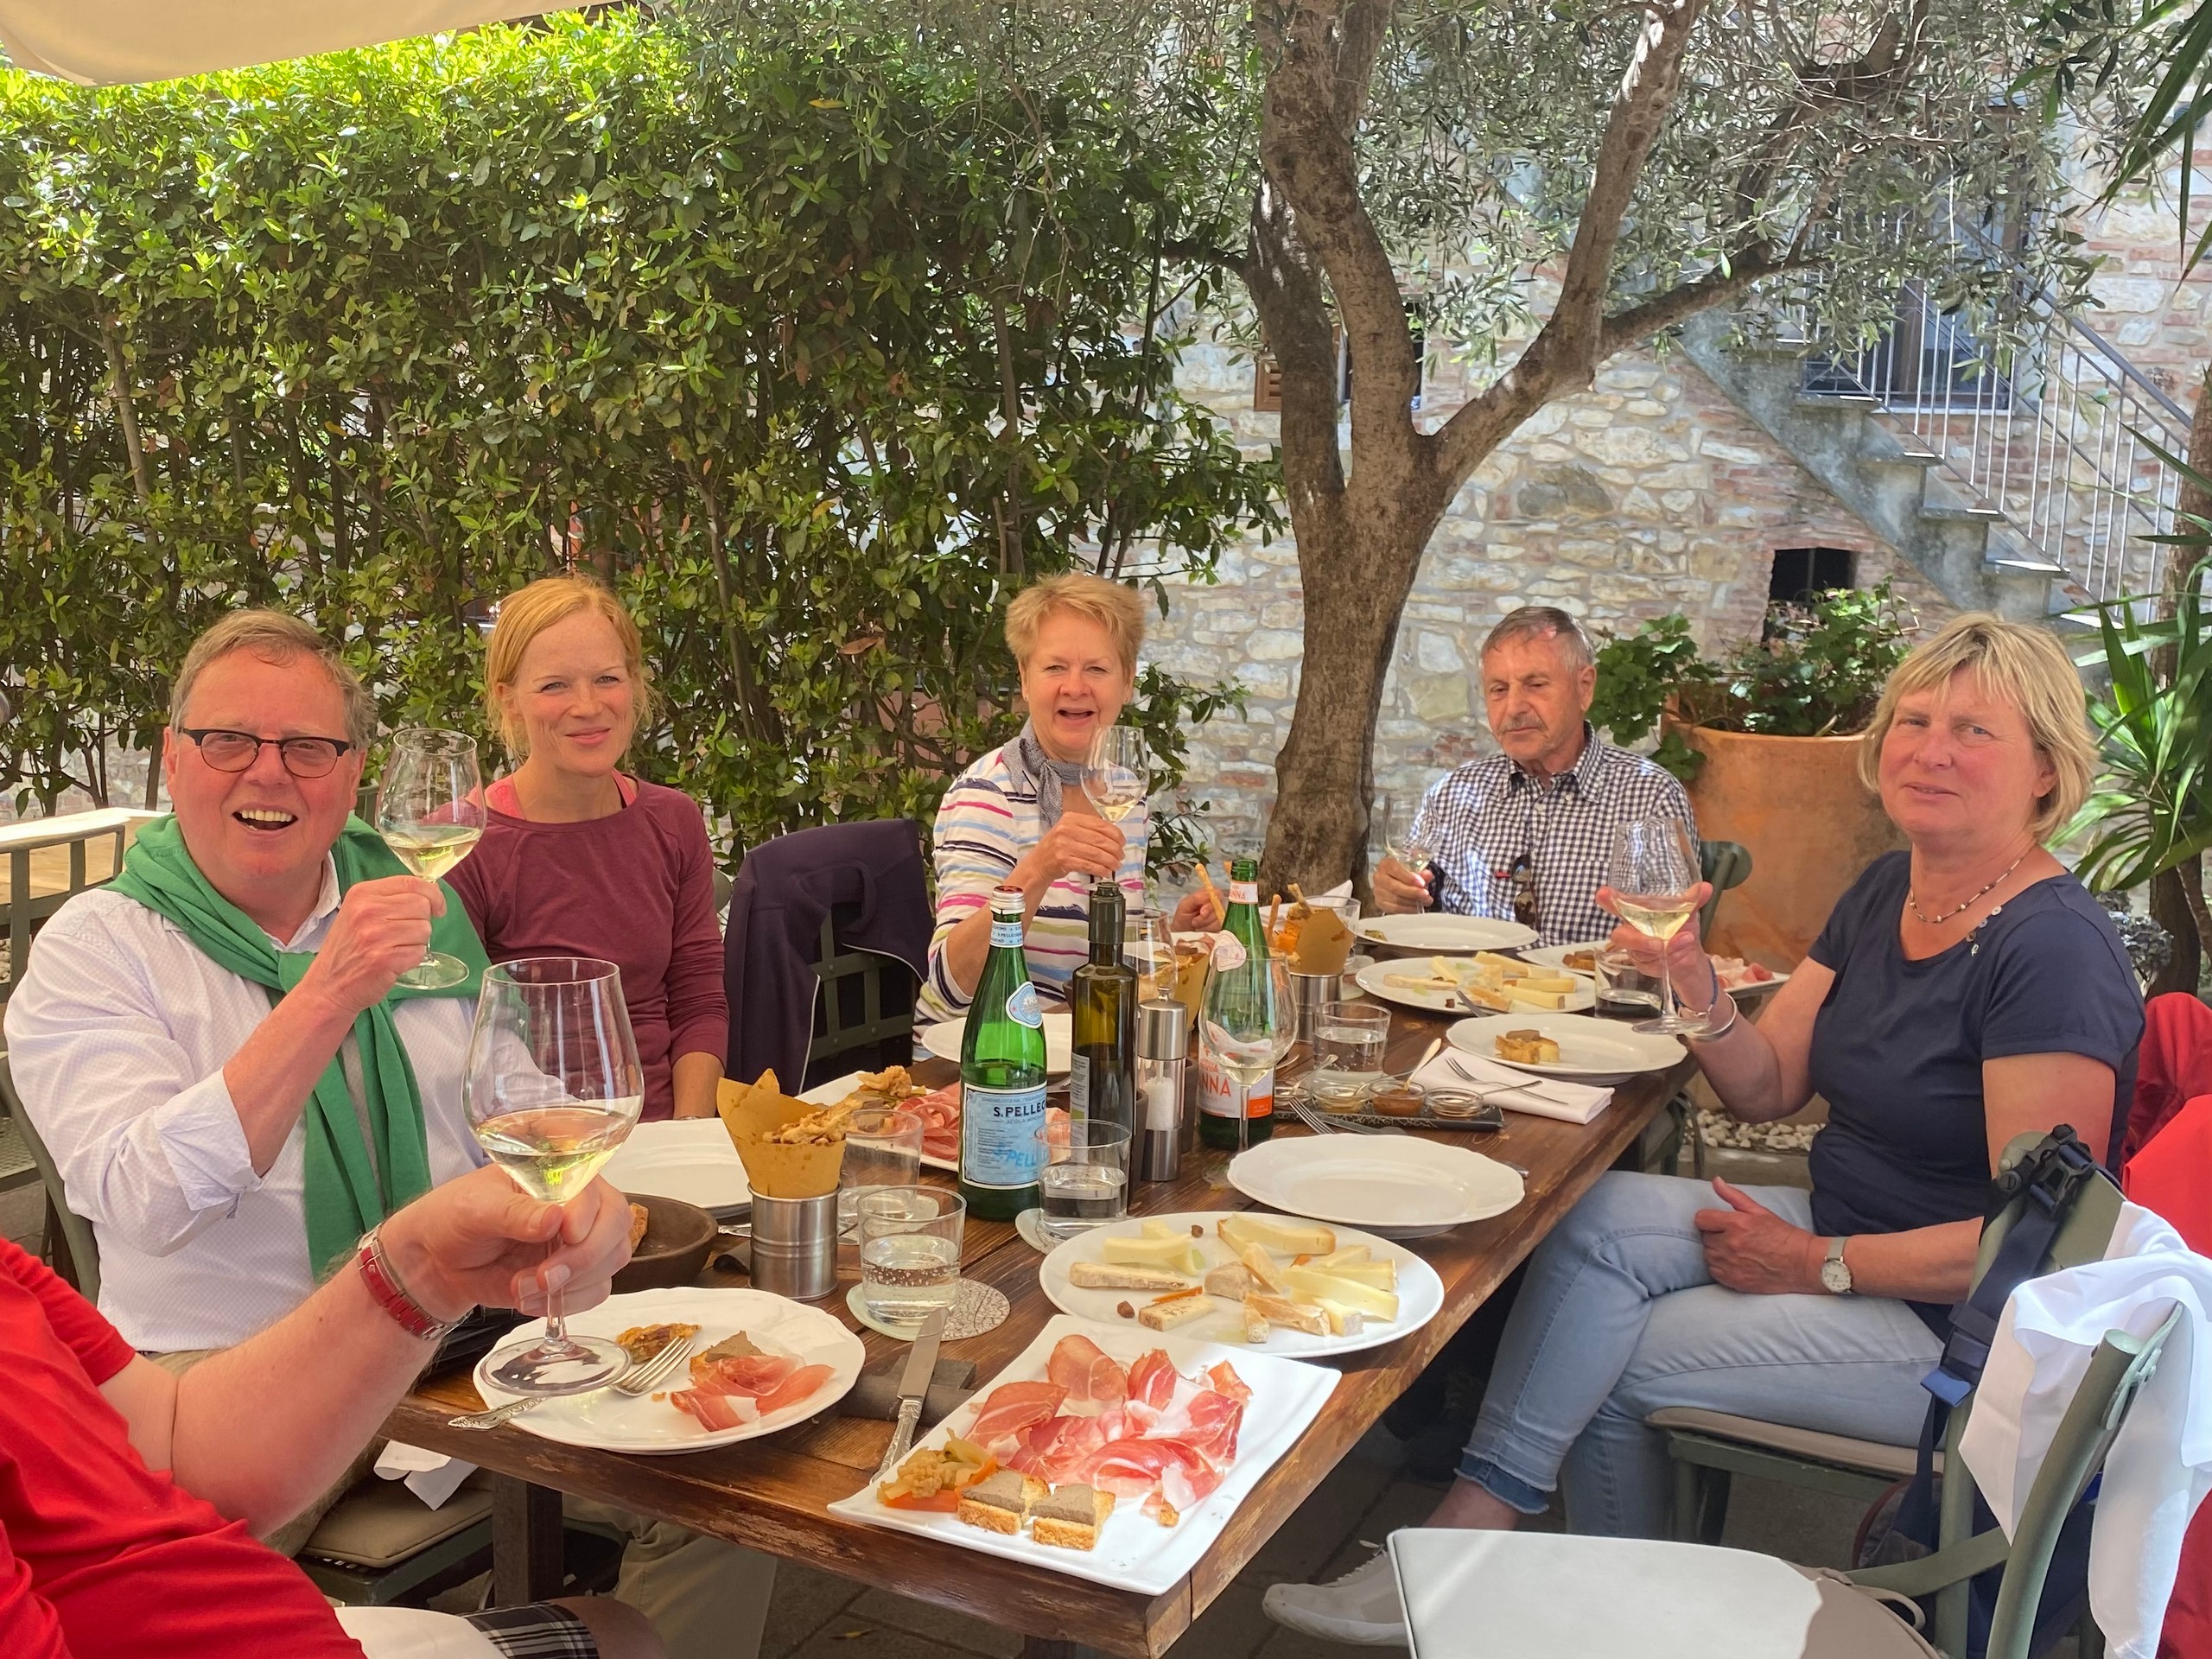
345,1196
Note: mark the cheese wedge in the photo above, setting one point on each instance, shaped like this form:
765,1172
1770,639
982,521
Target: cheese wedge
1111,1275
1256,1323
1229,1281
1280,1310
1508,965
1548,982
1166,1316
1525,997
1261,1267
1343,1321
1496,1001
1345,1257
1382,1276
1311,1286
1174,1253
1273,1233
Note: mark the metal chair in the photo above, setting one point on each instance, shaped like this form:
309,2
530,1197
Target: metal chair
1710,1447
1539,1595
1725,864
885,990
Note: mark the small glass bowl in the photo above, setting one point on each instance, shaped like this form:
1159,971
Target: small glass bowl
1332,1093
1454,1103
1399,1100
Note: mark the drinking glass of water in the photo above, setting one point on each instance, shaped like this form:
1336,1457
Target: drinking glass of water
910,1251
1087,1180
883,1148
1353,1035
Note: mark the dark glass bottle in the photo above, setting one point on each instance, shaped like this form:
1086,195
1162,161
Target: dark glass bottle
1102,1000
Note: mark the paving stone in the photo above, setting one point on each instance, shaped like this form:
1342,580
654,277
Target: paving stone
961,1631
804,1601
1233,1628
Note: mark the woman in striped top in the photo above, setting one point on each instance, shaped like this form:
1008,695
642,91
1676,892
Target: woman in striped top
1019,817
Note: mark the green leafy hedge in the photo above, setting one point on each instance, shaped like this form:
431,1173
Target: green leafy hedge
806,353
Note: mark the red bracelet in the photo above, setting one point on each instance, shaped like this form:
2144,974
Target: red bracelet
389,1294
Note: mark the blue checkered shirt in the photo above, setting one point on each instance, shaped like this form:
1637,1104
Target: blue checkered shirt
1481,816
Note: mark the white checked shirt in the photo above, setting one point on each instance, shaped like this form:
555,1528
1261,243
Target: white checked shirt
117,1038
1483,816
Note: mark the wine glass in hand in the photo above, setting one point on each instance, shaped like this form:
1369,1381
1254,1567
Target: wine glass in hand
430,809
553,1086
1654,875
1248,1020
1118,774
1404,829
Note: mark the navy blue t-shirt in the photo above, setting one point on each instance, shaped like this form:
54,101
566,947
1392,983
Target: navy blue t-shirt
1898,1046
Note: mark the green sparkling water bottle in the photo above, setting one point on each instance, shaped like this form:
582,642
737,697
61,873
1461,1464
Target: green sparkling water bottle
1002,1076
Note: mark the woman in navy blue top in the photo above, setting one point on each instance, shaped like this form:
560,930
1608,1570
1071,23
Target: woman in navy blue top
1963,994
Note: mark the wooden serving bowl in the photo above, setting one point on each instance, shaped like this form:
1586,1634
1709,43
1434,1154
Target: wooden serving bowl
677,1238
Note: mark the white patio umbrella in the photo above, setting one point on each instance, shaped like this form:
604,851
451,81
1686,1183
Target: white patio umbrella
105,42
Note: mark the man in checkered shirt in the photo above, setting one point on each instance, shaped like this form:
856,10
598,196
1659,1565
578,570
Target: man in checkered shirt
1524,835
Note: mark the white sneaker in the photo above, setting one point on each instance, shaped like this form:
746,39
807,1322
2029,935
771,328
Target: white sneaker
1362,1607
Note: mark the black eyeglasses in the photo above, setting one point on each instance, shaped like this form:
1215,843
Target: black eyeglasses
304,757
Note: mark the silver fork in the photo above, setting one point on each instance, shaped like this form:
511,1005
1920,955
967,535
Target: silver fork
638,1380
1321,1124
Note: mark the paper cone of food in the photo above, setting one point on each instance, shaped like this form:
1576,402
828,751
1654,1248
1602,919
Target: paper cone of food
1323,942
790,1150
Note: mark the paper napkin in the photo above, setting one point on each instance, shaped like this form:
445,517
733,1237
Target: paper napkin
430,1476
1517,1092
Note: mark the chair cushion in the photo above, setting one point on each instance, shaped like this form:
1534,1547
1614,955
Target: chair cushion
1871,1457
1537,1595
379,1523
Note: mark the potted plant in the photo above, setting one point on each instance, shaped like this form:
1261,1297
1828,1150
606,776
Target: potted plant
1766,740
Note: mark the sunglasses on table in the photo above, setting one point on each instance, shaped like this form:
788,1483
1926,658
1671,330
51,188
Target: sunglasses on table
1521,875
304,757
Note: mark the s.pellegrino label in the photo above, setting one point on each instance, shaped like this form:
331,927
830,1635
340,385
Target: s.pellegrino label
1002,1076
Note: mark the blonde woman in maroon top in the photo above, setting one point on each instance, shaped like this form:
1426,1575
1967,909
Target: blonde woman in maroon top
580,859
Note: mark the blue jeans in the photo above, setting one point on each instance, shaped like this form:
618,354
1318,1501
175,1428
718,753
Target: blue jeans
1618,1318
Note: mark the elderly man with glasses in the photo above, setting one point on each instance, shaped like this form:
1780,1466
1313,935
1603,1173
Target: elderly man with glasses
1524,835
236,1087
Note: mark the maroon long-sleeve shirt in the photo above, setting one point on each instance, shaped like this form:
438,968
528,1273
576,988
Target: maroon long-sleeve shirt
636,887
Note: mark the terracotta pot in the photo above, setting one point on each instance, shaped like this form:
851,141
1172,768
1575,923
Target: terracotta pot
1812,827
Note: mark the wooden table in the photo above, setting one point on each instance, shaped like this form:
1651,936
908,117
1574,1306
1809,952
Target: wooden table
771,1494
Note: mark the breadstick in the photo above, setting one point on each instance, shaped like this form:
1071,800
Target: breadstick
1212,892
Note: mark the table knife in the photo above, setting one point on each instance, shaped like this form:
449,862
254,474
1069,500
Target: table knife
913,1387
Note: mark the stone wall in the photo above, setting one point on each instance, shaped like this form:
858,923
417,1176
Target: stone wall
1648,495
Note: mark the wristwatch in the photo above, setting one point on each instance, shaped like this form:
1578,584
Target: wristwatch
1835,1272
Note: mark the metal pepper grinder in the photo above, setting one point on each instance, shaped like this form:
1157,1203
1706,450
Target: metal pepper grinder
1162,1068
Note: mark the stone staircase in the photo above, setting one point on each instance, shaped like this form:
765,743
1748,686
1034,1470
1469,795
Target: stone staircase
1894,485
2026,482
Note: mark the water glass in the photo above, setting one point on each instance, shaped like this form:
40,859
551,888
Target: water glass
910,1251
883,1148
1345,905
1624,991
1353,1036
1087,1180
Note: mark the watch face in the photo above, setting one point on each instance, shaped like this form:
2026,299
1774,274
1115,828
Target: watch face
1836,1277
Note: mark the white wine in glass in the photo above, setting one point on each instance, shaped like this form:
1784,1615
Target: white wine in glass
553,1086
1405,831
1118,775
1654,875
431,809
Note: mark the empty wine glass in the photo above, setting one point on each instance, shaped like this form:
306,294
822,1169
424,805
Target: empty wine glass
1654,875
553,1086
1248,1020
1118,775
431,809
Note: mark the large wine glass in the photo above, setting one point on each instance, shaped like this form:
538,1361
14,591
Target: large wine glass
430,809
1405,829
1248,1020
553,1086
1654,875
1117,776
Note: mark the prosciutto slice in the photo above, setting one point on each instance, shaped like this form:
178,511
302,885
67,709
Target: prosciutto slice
1011,1408
715,1412
1057,1448
1152,1385
754,1374
1130,1468
1094,1382
793,1388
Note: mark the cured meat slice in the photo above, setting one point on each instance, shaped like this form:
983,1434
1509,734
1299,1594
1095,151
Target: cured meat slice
1057,1449
1152,1382
939,1110
1131,1467
715,1412
1094,1381
1214,1419
1225,1381
793,1388
1011,1408
748,1373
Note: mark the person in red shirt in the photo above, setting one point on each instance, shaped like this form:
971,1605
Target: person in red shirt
131,1497
580,859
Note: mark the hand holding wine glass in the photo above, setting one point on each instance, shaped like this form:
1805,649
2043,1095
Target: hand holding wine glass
553,1087
1654,882
1402,829
431,809
1248,1020
1118,775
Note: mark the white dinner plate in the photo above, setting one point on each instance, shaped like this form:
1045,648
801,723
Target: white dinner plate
1446,935
943,1040
615,1421
1375,980
1392,1186
1420,1292
1135,1552
690,1159
1590,1049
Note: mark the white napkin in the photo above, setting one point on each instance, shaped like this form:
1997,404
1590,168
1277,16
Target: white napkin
430,1476
1517,1092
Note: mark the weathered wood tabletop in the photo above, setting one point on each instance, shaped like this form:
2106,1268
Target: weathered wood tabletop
773,1494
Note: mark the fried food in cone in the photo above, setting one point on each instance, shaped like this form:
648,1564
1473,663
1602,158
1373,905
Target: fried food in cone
790,1150
1323,944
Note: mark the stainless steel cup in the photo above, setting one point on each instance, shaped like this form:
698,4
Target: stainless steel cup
794,1246
1310,993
